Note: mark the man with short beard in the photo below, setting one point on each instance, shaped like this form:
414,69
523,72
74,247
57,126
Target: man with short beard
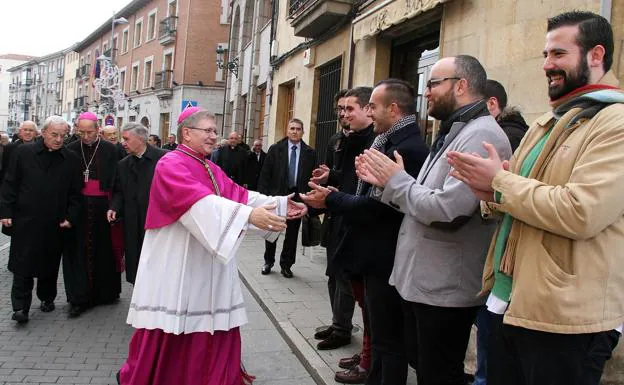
554,266
368,241
442,243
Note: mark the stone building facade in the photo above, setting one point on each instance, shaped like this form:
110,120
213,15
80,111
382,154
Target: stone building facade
166,59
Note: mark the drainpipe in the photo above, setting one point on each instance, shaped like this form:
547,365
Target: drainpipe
605,9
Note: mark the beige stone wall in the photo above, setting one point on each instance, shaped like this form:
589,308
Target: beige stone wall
304,78
371,61
507,36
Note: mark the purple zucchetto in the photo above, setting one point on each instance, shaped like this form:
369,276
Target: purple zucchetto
187,112
88,116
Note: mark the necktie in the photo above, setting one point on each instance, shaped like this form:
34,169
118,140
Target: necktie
292,167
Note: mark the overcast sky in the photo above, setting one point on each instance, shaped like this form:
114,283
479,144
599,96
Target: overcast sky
41,27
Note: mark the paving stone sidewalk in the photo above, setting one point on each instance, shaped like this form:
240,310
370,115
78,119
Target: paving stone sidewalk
299,305
52,348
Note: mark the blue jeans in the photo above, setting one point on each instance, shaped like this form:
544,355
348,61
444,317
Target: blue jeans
483,330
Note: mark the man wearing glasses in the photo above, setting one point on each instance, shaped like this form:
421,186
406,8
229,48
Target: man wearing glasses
443,241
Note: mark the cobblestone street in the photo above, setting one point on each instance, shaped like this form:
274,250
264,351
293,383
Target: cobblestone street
52,348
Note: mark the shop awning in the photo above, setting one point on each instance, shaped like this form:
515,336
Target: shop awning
388,13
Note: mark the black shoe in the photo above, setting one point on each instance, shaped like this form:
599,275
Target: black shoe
286,272
20,316
334,341
322,334
266,269
47,306
76,310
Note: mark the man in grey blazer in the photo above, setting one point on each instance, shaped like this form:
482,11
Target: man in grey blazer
443,241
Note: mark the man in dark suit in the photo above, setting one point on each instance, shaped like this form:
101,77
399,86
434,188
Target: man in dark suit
255,160
27,133
232,157
133,179
368,243
171,143
287,168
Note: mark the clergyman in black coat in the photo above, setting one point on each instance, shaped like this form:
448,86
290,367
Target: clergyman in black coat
133,179
255,160
40,199
282,175
231,158
27,133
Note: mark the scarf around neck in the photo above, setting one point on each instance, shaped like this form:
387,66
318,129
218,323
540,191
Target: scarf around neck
380,141
461,115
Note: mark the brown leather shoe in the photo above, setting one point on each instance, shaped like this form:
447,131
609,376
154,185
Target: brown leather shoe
348,363
351,376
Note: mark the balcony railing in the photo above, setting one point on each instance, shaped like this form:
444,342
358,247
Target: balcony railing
311,18
80,102
27,82
60,72
163,82
111,53
167,30
26,101
82,72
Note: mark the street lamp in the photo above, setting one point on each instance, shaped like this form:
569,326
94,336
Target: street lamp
120,20
221,64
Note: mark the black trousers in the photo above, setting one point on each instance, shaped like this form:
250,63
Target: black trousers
440,336
519,356
289,249
342,302
389,363
21,291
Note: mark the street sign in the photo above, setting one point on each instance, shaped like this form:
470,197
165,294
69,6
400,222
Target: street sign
188,103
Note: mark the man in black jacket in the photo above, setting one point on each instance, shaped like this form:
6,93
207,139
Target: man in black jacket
27,133
508,118
369,243
287,168
39,203
255,160
133,179
231,158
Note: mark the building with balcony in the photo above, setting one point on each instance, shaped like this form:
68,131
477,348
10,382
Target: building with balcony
245,58
166,60
21,93
69,82
7,88
49,84
320,47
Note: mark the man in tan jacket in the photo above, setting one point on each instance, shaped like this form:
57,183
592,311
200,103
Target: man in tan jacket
554,269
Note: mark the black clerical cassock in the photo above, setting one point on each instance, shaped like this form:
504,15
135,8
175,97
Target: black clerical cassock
133,179
89,266
41,189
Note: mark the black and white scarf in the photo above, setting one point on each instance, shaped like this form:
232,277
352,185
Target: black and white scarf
380,142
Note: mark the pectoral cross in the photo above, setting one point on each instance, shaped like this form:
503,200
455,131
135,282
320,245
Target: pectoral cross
86,175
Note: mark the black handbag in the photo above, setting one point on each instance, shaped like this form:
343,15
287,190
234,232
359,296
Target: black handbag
310,231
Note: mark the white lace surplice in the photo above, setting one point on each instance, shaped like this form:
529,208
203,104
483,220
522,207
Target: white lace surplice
187,279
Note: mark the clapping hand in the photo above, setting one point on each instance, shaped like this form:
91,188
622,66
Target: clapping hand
320,175
477,172
376,168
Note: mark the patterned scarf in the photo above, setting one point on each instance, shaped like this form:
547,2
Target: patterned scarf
379,144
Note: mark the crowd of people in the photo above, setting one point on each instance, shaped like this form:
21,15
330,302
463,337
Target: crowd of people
515,229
